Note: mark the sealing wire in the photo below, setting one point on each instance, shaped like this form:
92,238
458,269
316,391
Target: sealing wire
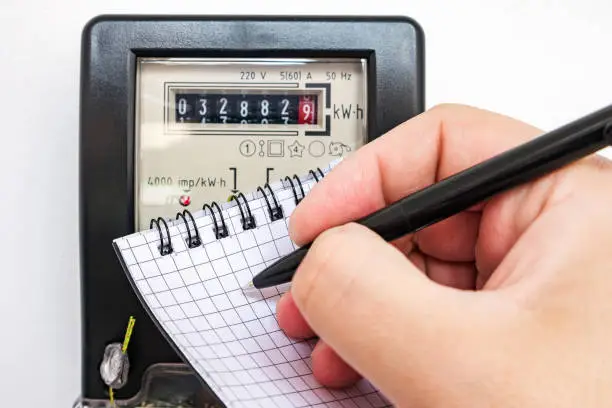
126,341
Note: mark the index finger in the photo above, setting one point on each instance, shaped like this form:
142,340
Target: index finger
432,146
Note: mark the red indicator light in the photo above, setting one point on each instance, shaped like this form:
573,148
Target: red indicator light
185,200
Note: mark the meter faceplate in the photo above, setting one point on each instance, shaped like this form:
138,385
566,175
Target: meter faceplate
208,128
112,47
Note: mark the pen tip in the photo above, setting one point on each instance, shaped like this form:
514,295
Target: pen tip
250,290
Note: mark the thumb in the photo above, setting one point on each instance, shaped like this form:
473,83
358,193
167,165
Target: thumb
382,315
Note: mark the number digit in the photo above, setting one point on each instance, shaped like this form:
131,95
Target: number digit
182,106
265,107
284,110
244,109
223,111
203,110
306,110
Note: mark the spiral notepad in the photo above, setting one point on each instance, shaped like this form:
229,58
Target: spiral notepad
189,273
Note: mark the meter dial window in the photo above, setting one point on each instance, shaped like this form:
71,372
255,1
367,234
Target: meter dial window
208,128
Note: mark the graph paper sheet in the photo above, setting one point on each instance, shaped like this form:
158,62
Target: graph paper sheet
228,335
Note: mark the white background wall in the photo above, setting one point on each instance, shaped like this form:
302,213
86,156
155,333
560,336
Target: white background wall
543,61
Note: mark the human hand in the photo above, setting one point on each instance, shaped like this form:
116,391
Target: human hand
508,304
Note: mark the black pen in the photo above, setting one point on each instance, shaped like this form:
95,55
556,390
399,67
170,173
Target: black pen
469,187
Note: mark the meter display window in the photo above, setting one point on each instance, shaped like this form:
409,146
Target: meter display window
209,128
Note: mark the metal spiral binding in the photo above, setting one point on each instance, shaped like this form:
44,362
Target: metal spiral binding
276,212
248,221
192,242
220,230
163,249
314,175
297,199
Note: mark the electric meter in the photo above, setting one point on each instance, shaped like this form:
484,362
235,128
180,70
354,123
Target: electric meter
177,112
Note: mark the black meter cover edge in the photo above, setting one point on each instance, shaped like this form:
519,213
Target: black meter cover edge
393,47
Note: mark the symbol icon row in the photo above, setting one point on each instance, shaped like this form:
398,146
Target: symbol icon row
276,148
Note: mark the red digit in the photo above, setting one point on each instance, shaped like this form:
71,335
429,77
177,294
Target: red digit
307,114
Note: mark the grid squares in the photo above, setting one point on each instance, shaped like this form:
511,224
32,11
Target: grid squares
232,339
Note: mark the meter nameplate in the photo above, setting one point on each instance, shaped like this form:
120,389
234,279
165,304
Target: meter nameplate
208,128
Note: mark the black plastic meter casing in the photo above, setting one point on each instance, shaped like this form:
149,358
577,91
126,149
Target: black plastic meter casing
393,47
